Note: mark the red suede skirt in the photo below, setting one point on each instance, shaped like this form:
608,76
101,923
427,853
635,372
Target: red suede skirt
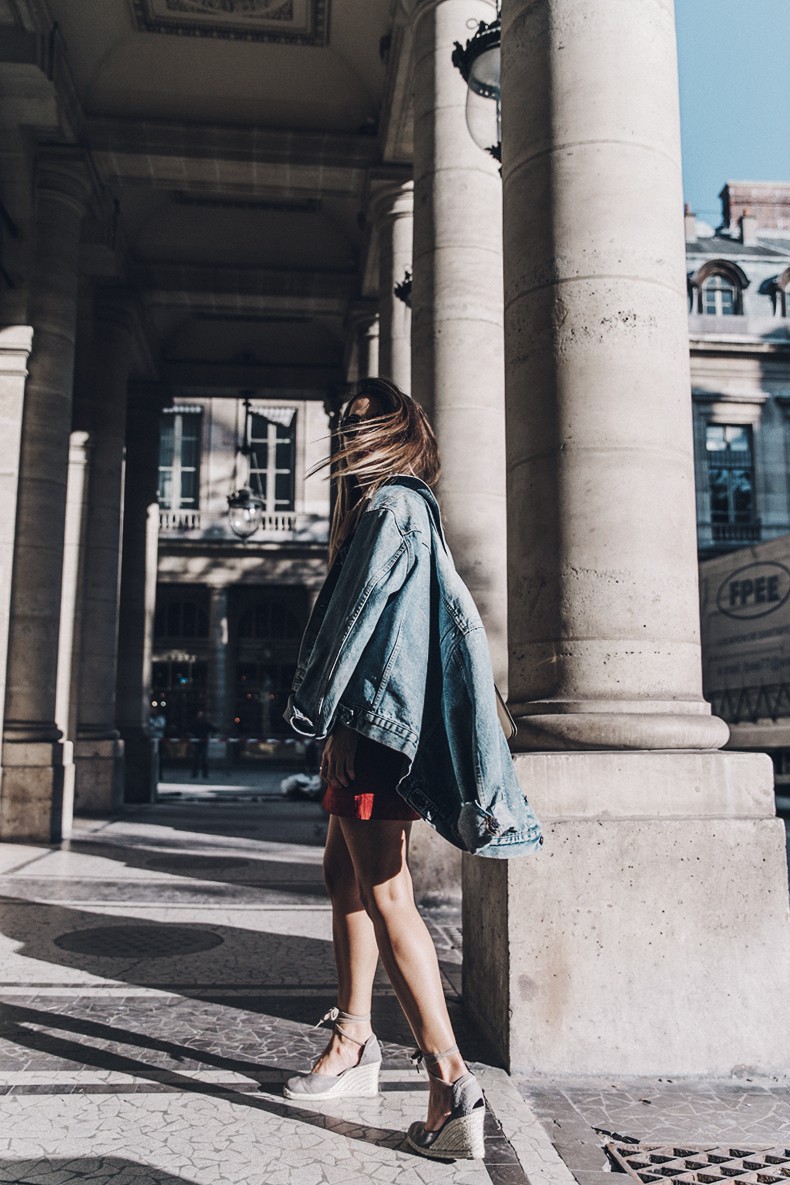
373,793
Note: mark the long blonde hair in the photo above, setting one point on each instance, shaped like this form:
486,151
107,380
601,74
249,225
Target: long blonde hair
401,440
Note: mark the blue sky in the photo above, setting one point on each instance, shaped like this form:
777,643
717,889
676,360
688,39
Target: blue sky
734,89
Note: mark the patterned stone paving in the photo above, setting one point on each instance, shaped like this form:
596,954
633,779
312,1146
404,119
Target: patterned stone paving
130,1053
581,1117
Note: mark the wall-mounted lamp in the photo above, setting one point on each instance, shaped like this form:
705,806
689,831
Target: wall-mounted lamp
480,64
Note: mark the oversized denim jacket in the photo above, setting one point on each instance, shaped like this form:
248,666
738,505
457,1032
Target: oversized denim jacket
395,649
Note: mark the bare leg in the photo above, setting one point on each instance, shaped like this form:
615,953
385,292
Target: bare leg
356,952
378,849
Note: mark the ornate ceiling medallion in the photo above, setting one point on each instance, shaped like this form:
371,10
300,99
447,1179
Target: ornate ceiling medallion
294,22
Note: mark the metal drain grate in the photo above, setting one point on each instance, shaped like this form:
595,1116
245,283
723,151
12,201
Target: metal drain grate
701,1166
138,942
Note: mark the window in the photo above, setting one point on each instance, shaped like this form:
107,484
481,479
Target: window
782,293
720,297
717,288
179,459
177,620
730,475
272,455
269,632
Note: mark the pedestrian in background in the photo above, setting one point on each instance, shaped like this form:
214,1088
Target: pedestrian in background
200,730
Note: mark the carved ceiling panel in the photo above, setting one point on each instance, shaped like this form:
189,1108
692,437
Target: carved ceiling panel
293,22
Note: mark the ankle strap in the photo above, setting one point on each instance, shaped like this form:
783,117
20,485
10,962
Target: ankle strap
338,1017
434,1058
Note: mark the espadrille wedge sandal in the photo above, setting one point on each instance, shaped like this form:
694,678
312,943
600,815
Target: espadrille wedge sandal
461,1135
360,1081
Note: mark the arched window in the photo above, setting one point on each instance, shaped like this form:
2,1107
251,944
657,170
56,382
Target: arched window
719,297
717,289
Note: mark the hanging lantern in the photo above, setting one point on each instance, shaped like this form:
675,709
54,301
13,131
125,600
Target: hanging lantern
479,64
245,506
245,512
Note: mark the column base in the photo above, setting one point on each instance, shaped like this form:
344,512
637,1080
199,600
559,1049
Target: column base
140,767
650,935
620,730
98,774
35,792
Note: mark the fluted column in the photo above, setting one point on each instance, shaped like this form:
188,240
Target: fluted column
391,209
457,336
604,611
138,588
34,754
98,750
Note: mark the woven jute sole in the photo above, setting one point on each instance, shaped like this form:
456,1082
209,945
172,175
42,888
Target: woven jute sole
360,1082
459,1139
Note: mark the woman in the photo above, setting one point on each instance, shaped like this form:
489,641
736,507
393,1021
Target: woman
394,671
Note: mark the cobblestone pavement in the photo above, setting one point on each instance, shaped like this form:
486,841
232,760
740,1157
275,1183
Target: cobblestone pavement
159,976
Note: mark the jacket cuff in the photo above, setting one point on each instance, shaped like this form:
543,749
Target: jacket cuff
298,721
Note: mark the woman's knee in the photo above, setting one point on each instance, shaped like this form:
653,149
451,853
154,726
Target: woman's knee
389,899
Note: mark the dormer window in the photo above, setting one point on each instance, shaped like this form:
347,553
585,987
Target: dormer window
782,290
719,297
717,289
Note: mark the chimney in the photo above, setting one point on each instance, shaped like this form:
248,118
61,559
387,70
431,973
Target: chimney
748,225
690,220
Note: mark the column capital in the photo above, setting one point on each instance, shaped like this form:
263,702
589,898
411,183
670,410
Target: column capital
117,313
362,314
16,342
417,8
390,197
63,173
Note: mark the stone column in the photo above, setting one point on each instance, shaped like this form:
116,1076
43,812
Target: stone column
362,328
391,210
138,588
662,872
218,706
34,753
74,549
457,336
368,347
15,344
98,750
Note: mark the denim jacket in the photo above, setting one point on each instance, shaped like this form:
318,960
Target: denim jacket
395,649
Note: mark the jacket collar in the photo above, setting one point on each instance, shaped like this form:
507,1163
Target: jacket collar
421,487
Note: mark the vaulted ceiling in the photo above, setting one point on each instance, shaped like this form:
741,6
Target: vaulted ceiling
234,140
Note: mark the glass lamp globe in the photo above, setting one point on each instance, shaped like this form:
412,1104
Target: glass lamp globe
480,64
245,512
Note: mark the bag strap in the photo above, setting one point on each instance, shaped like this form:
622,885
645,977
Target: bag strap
509,726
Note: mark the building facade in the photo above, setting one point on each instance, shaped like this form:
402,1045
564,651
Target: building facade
229,612
739,327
